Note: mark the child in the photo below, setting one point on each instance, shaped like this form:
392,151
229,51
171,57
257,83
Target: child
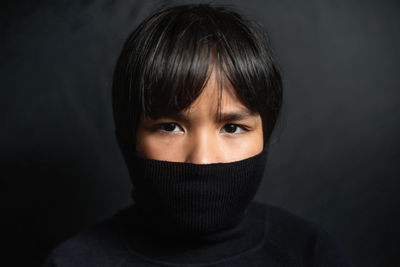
196,95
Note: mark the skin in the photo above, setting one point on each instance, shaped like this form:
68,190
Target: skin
196,135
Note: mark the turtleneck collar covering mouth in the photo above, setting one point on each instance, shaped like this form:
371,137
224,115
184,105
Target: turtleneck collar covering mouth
186,200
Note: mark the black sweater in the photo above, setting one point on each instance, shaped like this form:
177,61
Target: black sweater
268,236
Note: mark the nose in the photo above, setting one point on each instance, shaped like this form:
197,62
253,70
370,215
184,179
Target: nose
202,148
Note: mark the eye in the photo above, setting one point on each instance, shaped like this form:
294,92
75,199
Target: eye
233,128
169,127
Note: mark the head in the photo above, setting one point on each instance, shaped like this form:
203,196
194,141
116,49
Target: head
196,83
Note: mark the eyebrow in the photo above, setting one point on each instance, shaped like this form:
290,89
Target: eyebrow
219,117
234,116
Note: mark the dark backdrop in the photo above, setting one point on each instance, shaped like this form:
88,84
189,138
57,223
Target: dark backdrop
335,158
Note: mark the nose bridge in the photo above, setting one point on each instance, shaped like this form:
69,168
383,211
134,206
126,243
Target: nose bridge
202,148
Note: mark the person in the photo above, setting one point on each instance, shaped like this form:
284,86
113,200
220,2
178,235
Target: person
196,96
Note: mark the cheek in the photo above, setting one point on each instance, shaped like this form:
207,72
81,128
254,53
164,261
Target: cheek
246,150
243,148
166,149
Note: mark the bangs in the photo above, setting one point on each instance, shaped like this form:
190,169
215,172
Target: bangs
185,53
175,76
186,49
169,58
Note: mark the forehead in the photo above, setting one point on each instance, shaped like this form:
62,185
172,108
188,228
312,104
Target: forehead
213,93
217,92
217,96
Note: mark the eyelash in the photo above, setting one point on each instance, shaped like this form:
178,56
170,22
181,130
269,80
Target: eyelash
242,127
161,127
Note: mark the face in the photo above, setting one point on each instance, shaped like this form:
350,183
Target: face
198,135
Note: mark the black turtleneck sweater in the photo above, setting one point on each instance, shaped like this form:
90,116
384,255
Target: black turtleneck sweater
267,236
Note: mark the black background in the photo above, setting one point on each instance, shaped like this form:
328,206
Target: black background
335,158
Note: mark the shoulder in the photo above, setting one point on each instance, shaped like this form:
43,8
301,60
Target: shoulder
302,241
101,245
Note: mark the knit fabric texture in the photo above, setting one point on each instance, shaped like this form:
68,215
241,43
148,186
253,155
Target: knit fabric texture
189,200
267,236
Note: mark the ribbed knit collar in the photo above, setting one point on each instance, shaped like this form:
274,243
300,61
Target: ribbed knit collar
189,200
194,213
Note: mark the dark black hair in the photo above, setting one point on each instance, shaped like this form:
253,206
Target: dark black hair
167,60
